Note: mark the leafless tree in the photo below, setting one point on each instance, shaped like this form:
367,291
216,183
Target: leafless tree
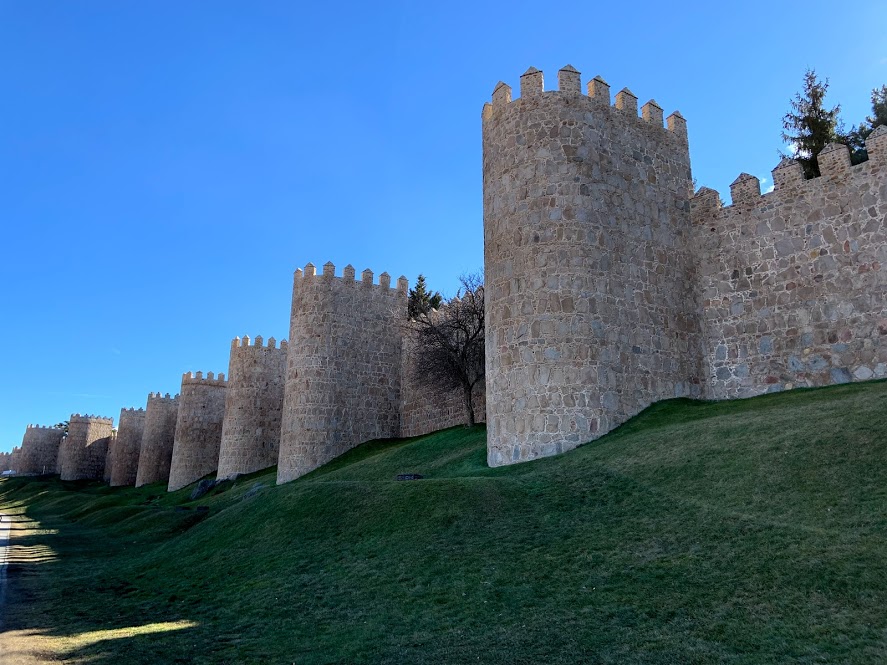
449,344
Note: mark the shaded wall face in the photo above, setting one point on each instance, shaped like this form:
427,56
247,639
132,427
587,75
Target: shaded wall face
125,455
794,285
423,409
40,448
86,449
109,454
158,438
253,410
589,279
343,370
198,431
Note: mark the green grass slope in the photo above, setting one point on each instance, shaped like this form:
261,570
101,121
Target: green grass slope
740,532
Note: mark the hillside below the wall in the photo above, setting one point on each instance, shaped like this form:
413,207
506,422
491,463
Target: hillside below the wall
751,531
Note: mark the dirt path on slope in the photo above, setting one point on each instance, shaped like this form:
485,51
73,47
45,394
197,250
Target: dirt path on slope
17,647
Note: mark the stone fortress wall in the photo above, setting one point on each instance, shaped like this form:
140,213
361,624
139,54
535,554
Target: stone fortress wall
39,450
793,283
253,406
609,284
158,438
590,310
198,433
343,366
125,455
82,453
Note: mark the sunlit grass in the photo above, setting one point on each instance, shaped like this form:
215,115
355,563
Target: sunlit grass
35,645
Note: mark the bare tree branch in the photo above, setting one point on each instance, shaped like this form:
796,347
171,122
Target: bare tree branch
448,349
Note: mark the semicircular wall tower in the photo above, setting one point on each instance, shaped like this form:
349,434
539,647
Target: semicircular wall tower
253,406
40,449
195,450
86,447
343,366
125,454
158,437
590,306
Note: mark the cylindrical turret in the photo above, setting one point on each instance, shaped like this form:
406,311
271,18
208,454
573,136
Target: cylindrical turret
589,305
157,439
343,366
125,455
253,407
40,449
85,447
198,435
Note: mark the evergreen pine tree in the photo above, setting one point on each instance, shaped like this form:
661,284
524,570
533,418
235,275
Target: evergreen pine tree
810,126
857,136
421,301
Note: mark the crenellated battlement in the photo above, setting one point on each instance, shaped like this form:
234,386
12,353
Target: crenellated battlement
257,342
191,378
309,274
788,179
89,418
162,397
132,410
43,427
598,93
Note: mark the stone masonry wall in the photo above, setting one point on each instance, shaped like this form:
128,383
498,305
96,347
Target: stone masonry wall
109,455
40,449
86,446
125,456
15,458
591,313
157,439
794,283
253,407
198,428
343,366
63,455
423,410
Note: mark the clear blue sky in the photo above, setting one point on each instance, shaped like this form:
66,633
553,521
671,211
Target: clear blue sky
165,166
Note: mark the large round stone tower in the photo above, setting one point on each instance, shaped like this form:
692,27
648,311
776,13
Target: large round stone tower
590,310
253,406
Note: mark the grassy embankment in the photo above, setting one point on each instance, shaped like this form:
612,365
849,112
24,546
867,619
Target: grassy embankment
741,532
